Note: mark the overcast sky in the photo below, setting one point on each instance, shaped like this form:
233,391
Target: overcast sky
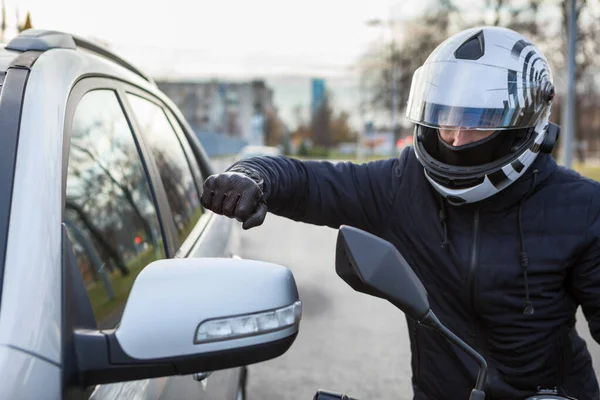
225,37
237,39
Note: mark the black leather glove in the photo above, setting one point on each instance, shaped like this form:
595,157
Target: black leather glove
235,195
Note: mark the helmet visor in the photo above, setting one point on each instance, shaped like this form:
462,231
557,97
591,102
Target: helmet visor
475,96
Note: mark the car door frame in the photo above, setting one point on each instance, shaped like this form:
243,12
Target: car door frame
74,315
172,247
180,250
163,210
182,131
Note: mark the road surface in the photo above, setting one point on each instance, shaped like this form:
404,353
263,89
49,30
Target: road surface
347,341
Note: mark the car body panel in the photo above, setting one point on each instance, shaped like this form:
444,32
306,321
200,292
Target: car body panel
31,304
25,376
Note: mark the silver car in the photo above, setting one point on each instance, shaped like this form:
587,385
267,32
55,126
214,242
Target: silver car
115,283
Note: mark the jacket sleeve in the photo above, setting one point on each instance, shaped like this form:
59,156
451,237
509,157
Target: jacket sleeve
324,193
585,277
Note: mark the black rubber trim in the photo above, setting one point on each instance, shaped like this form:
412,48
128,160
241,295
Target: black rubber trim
212,361
201,156
11,103
102,360
169,230
189,152
26,60
95,367
77,313
198,154
498,179
517,165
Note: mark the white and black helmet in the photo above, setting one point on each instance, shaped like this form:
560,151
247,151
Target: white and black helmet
486,78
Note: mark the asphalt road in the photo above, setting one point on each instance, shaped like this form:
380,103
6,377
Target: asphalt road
348,341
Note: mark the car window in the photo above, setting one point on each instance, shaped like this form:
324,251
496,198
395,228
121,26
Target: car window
174,168
195,166
109,212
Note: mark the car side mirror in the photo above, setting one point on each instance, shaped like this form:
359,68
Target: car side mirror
185,316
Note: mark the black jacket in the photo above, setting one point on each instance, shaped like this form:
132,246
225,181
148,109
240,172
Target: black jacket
505,274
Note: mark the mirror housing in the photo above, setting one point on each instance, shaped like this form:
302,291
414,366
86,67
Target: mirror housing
185,316
374,266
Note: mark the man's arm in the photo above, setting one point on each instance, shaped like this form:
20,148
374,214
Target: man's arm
323,193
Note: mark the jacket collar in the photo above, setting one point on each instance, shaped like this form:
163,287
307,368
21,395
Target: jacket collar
544,164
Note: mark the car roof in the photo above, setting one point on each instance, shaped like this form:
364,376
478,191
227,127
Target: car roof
38,69
43,40
102,60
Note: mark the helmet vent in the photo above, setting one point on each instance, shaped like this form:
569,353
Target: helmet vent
472,49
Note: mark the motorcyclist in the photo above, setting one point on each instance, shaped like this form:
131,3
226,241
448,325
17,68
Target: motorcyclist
505,241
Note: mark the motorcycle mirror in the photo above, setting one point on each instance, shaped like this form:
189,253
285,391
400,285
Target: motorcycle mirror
374,266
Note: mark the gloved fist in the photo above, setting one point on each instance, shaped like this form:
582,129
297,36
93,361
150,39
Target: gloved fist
235,195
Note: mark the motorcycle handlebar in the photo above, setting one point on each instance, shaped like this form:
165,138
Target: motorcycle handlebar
326,395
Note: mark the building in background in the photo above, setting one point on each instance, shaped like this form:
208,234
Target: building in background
235,109
317,95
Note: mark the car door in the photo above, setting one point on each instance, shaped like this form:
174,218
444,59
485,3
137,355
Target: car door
118,218
112,211
197,233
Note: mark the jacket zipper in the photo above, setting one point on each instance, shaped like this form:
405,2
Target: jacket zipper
480,343
418,355
474,260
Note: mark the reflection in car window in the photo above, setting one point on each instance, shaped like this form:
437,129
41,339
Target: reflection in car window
193,162
109,212
180,187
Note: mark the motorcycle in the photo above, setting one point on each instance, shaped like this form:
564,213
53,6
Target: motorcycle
389,277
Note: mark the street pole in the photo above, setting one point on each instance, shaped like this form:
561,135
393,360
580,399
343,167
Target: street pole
394,97
568,107
360,134
389,24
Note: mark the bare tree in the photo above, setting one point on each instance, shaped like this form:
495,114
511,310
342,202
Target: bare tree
550,34
424,35
544,22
